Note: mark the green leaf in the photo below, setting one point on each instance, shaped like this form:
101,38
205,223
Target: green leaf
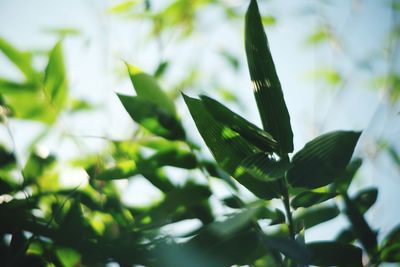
123,6
152,117
308,198
146,86
6,157
265,168
313,217
11,87
391,247
246,129
360,226
174,157
266,85
290,248
229,149
365,199
121,170
55,79
322,159
335,254
20,59
343,181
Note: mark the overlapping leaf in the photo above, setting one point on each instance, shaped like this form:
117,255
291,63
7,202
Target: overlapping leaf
322,159
229,149
246,129
266,85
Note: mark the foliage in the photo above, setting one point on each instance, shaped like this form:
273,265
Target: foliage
44,224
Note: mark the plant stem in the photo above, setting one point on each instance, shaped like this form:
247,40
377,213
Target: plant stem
287,209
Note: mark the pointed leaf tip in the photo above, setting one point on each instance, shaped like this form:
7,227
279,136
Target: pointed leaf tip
267,88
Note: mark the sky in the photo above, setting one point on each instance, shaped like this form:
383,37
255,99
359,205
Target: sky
95,70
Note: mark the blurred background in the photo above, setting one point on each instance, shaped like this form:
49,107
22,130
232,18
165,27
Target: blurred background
338,62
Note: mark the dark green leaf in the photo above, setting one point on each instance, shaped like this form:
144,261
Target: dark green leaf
360,227
346,236
335,254
174,157
233,202
6,158
229,149
267,88
308,198
391,249
343,181
288,247
265,168
147,87
365,199
322,159
161,69
313,217
246,129
152,117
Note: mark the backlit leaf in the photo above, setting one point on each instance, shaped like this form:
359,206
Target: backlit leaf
266,85
322,159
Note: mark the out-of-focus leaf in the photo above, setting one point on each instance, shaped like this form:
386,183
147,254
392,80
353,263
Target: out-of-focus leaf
319,36
229,149
328,75
267,88
6,158
62,32
174,157
216,171
161,69
308,198
268,20
11,87
177,201
152,117
315,216
55,79
360,227
346,236
68,257
123,6
391,248
343,181
322,159
121,170
246,129
146,87
231,59
394,155
365,199
335,254
265,168
36,166
233,202
20,59
291,248
79,105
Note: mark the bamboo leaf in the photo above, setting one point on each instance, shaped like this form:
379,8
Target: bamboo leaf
152,117
147,87
229,149
322,159
266,85
246,129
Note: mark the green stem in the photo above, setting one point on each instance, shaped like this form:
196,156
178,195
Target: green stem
287,209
